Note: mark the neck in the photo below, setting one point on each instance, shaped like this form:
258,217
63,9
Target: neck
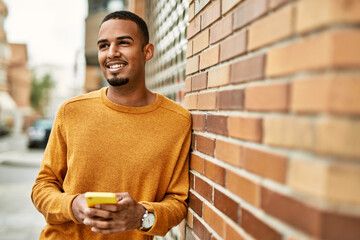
140,97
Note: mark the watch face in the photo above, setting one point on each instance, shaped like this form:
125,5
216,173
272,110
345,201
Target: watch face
149,220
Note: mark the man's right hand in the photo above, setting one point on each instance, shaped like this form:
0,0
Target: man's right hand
78,207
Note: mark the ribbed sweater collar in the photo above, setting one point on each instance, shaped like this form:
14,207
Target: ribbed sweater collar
127,109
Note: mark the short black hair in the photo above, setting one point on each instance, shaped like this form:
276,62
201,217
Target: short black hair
126,15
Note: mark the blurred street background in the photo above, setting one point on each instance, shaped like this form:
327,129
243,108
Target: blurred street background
48,54
18,169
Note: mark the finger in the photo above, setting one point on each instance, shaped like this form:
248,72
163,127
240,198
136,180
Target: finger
121,196
98,213
108,207
102,224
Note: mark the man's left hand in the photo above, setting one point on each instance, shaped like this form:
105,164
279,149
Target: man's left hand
124,216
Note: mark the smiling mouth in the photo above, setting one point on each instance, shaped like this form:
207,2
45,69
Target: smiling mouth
115,66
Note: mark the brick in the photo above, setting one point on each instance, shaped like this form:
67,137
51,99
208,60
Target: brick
203,188
311,94
200,4
312,15
277,3
200,230
333,182
231,100
187,84
227,5
248,11
234,46
215,173
291,211
338,137
194,27
199,82
340,226
213,237
192,65
219,76
346,48
256,228
249,69
191,101
226,205
333,48
265,164
192,180
193,140
245,128
196,163
309,177
217,124
189,49
205,145
207,101
272,97
221,29
198,122
189,219
326,93
215,221
271,29
290,132
195,204
243,187
229,152
344,183
201,41
209,57
231,233
211,14
191,11
345,97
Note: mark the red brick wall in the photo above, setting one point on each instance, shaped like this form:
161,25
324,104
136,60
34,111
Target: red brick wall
274,90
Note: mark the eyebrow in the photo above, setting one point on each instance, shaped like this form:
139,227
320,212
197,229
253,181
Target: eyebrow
118,38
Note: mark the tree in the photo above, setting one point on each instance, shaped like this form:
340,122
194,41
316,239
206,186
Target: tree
40,91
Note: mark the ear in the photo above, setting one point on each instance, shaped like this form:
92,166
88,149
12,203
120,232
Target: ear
149,51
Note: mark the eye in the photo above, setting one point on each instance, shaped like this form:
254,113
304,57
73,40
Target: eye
124,43
103,45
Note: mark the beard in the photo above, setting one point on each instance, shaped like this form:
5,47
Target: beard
116,82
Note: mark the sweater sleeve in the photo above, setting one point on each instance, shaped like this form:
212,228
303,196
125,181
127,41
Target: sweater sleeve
47,194
172,209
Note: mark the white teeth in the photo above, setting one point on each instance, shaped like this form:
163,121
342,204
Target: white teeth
116,66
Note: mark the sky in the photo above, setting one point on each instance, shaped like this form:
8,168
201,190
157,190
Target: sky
53,30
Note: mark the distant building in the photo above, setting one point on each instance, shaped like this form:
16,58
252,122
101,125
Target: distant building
7,104
19,77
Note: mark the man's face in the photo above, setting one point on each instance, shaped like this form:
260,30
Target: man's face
120,52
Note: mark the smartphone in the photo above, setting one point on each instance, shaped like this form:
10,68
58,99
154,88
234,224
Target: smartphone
94,198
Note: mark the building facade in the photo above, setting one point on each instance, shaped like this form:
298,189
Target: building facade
167,27
273,87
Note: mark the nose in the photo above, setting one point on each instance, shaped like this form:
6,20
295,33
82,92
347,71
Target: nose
113,51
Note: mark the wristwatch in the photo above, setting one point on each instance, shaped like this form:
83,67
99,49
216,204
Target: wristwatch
147,220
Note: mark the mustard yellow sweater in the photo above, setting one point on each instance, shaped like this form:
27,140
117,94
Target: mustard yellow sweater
97,145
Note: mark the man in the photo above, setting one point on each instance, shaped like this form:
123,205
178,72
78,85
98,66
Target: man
122,139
